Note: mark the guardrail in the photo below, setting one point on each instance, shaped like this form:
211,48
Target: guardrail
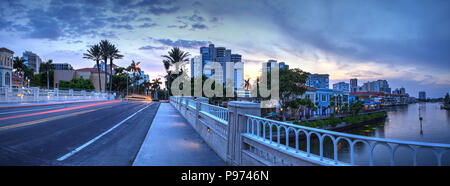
263,129
34,94
220,113
240,137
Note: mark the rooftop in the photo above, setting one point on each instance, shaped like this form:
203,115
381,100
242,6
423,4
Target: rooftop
90,70
6,50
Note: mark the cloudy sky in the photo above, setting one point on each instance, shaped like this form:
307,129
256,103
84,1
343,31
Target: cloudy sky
405,42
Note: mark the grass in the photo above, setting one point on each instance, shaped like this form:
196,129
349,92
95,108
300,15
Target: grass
333,121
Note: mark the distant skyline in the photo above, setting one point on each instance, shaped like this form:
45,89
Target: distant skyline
406,42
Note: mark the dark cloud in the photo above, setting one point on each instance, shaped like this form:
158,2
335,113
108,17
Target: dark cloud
125,26
148,25
149,47
184,43
386,32
199,26
56,19
363,74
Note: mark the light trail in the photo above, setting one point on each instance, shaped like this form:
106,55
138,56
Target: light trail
59,110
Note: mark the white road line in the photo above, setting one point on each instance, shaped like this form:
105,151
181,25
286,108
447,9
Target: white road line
98,137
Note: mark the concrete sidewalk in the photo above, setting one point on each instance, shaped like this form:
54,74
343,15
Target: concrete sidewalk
171,141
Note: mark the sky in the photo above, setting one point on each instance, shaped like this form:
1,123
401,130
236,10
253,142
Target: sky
406,42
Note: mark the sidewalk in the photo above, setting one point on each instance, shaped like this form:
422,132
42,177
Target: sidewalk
171,141
21,105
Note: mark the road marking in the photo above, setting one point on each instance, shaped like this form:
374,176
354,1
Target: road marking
99,136
47,119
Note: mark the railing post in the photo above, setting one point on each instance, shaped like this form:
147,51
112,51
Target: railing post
237,125
198,106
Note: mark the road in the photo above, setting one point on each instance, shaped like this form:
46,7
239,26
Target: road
93,133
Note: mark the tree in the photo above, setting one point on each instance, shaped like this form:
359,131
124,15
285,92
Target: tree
47,67
134,67
119,79
355,107
77,83
107,50
95,53
247,84
300,105
175,55
18,65
155,86
114,54
447,99
21,69
290,85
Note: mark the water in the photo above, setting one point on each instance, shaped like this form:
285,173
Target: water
402,123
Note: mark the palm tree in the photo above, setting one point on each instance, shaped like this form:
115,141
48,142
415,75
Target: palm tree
107,50
113,55
95,53
18,65
247,84
47,67
21,69
155,85
134,67
175,55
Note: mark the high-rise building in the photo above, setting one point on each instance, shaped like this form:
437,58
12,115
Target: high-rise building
318,81
222,56
33,61
341,86
422,95
105,67
376,86
354,85
6,66
402,90
62,66
273,63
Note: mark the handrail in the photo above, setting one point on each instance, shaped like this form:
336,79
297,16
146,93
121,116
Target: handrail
440,145
321,134
219,112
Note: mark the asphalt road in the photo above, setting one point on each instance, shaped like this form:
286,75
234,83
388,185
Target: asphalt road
94,133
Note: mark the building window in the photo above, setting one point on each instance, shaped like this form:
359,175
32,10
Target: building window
1,79
324,97
7,78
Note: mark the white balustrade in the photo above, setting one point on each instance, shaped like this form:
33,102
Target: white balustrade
219,112
263,129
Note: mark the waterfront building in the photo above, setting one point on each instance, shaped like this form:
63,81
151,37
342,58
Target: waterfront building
6,67
341,86
402,90
354,85
376,86
318,81
33,61
62,66
422,95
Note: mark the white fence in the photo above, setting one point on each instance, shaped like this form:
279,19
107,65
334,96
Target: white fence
241,137
34,94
